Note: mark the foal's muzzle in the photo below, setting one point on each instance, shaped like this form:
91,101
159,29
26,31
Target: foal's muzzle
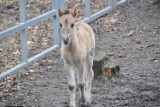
65,40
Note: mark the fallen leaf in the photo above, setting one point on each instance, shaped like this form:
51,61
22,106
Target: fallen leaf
1,49
31,70
16,52
112,20
109,72
130,33
30,43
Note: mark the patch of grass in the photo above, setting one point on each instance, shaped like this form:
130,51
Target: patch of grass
158,52
112,46
6,67
157,2
11,44
9,52
155,59
149,34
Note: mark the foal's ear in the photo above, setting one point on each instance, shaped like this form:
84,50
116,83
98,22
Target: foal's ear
60,13
74,12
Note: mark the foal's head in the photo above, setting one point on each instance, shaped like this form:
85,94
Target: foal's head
67,24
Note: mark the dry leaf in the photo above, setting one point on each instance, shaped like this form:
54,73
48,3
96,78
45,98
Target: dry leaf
130,33
112,20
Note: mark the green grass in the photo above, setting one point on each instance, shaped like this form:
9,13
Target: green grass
157,2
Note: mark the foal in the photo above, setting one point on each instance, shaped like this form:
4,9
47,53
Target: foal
77,51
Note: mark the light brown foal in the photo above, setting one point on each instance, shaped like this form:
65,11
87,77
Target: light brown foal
77,51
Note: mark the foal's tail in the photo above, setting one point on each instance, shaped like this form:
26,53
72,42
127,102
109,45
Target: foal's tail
93,41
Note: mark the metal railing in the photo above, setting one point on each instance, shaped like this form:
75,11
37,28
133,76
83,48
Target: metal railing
24,24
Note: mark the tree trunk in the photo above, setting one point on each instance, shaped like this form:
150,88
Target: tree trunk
104,67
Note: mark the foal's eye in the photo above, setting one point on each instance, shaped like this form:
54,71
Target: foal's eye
72,25
60,25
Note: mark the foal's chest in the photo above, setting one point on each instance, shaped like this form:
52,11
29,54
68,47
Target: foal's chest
73,57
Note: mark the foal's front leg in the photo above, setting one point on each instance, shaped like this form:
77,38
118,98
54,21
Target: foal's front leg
82,83
71,84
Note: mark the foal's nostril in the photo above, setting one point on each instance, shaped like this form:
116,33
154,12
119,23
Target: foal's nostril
66,40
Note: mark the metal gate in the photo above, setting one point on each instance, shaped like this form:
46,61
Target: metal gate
22,28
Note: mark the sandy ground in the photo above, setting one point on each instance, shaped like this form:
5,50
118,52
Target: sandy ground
133,38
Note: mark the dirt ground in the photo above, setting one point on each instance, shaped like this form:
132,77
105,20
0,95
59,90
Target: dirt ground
132,37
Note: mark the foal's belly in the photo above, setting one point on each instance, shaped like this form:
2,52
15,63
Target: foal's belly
73,59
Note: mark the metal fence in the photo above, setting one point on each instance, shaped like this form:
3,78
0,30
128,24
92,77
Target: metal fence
23,25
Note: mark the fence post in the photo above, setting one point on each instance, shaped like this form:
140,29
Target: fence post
61,4
23,33
56,4
87,8
115,3
112,3
55,24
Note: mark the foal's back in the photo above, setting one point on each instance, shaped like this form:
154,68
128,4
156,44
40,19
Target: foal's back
85,35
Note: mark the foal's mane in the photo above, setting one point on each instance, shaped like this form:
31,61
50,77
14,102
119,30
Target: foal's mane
66,11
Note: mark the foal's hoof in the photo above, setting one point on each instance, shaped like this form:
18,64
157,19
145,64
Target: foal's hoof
86,104
72,106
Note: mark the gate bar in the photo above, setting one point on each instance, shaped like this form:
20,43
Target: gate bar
17,28
24,64
97,15
122,1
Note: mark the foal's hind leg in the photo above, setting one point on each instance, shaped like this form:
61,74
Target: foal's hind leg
90,74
